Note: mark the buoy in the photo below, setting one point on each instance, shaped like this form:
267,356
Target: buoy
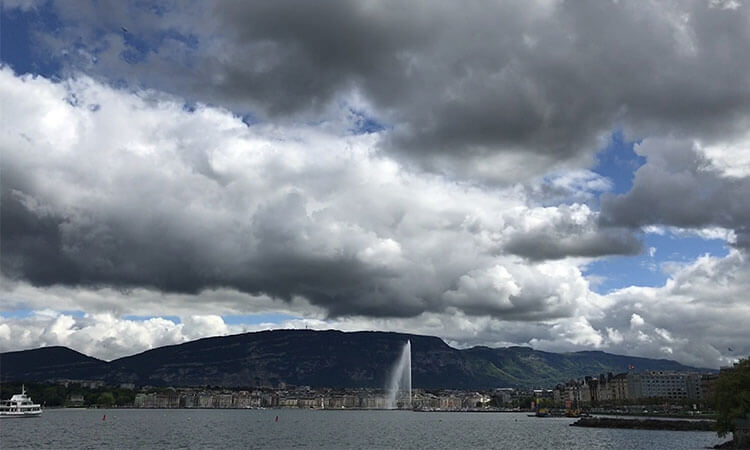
104,417
277,418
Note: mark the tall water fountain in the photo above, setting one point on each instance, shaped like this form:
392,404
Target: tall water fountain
398,392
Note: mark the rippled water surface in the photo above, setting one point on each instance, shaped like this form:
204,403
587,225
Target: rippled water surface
160,429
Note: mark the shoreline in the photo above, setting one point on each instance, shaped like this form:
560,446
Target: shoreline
646,424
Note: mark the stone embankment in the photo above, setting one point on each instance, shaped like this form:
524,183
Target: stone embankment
646,424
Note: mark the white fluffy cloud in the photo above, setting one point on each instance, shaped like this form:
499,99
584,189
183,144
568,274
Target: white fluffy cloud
687,189
124,203
104,335
495,91
696,318
187,202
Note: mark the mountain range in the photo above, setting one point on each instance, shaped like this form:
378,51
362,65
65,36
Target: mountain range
323,359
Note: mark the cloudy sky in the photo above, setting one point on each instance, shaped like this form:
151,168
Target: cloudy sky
566,175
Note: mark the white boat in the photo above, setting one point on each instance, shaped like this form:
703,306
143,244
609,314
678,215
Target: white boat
20,405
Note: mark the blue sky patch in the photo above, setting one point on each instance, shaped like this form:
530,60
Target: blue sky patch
617,272
364,124
174,319
250,119
17,39
136,48
255,319
25,313
618,161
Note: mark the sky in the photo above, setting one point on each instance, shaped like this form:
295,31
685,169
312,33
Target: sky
555,174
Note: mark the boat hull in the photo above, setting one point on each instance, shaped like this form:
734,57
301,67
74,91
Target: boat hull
17,415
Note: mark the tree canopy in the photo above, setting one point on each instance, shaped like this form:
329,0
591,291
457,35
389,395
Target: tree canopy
105,399
732,396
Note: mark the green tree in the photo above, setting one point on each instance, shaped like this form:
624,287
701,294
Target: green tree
525,402
546,403
105,399
51,396
125,397
732,396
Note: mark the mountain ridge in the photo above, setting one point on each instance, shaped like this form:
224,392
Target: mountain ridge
326,358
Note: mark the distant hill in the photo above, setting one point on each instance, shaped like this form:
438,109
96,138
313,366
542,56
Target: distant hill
323,359
516,363
50,362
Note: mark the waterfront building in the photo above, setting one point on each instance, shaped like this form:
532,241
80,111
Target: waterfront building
559,394
505,396
223,400
75,400
572,395
605,390
593,384
475,400
634,390
694,387
609,389
674,386
584,394
619,385
708,387
189,399
205,400
139,401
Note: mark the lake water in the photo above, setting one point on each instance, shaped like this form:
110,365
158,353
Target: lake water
183,428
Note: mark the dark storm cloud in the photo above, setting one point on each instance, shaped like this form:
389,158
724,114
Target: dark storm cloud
292,56
188,201
469,80
679,187
566,230
141,192
123,252
458,82
547,244
30,244
48,249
